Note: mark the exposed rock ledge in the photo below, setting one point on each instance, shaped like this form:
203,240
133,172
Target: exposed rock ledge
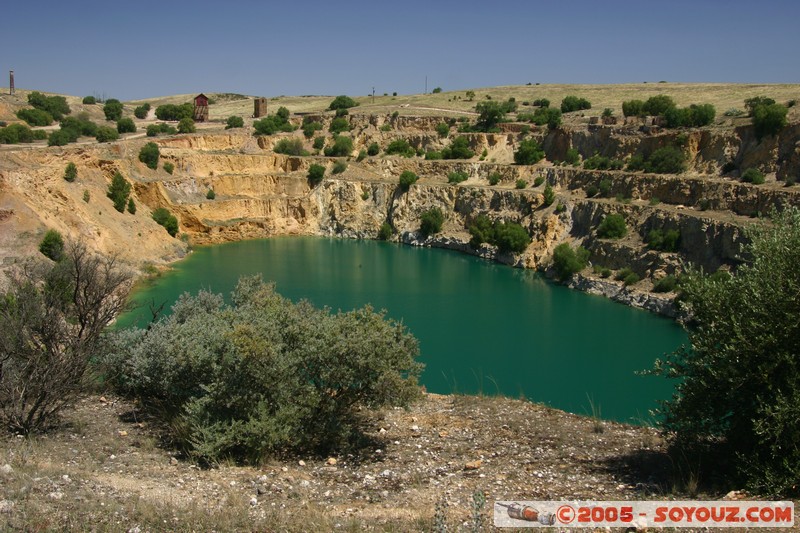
662,305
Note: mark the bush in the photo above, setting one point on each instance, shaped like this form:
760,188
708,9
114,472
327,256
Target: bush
612,227
342,102
131,206
665,241
666,160
373,149
573,103
167,220
568,261
315,174
16,133
309,128
86,196
769,119
141,111
443,129
362,155
59,138
510,237
106,134
692,116
572,157
633,108
52,245
548,195
79,126
666,284
264,376
541,102
35,117
51,329
339,167
598,162
528,153
118,191
631,279
112,109
55,106
737,387
289,147
407,179
234,122
521,184
494,178
154,130
71,172
175,112
273,124
385,232
149,155
339,125
432,155
400,147
437,90
342,147
482,230
752,175
169,168
490,114
591,191
538,181
623,273
210,195
186,125
456,177
431,221
319,143
658,105
125,125
757,101
89,100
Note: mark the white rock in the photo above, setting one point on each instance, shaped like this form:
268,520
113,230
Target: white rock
6,470
6,506
253,501
301,462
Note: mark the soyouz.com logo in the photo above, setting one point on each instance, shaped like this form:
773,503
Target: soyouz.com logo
643,514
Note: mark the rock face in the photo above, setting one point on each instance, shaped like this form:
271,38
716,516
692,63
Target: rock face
259,193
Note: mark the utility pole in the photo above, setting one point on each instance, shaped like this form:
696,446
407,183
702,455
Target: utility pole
426,85
11,82
373,95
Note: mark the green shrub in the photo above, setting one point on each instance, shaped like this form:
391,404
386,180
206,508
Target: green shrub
490,114
666,160
89,100
154,130
342,112
693,116
494,178
341,147
528,153
79,126
126,125
385,232
169,168
263,376
118,191
106,134
210,195
362,155
572,156
510,237
437,90
315,174
431,221
400,147
339,167
71,172
458,149
86,196
631,279
769,119
538,180
623,273
60,138
186,125
752,175
167,220
443,129
666,284
432,155
605,187
482,230
141,111
131,206
612,227
309,128
16,133
52,245
55,106
373,149
319,142
591,191
456,177
407,179
633,108
568,261
573,103
665,241
598,162
175,112
658,105
35,117
521,184
342,102
604,272
234,122
541,102
339,125
560,208
274,123
112,109
548,195
149,155
291,146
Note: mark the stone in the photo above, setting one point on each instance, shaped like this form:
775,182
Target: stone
6,469
253,501
473,465
122,433
331,461
6,506
301,462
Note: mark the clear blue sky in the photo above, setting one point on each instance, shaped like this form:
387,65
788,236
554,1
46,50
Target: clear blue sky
140,49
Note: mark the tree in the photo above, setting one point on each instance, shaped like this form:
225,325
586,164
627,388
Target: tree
658,105
149,155
407,179
210,195
458,149
167,220
174,112
612,227
35,117
141,111
633,108
263,376
310,128
737,396
568,261
573,103
169,167
400,147
666,160
315,174
769,119
55,106
339,125
89,100
431,221
106,134
234,122
470,95
52,318
112,109
125,125
490,114
342,147
289,147
437,90
118,191
342,102
548,195
510,237
131,206
528,153
52,245
186,125
385,232
443,129
71,172
373,149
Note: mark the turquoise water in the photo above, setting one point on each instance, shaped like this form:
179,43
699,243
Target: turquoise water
482,327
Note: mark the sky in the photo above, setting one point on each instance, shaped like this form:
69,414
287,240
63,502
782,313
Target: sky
142,49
